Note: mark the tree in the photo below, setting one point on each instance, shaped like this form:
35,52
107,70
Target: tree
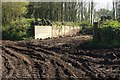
91,11
12,11
117,9
114,10
103,12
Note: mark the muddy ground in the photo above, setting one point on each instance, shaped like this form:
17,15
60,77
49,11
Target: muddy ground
59,58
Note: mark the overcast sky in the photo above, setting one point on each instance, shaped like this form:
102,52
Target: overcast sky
103,4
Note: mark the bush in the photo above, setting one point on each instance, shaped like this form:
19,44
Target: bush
66,23
85,24
17,30
58,25
71,24
111,23
110,33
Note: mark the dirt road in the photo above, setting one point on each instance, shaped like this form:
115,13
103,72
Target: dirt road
58,58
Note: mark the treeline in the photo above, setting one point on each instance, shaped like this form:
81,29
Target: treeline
55,11
59,11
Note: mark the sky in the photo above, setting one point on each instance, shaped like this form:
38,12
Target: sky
103,4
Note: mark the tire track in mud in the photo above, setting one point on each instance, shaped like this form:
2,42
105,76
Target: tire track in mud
89,58
54,56
1,60
20,64
40,62
45,53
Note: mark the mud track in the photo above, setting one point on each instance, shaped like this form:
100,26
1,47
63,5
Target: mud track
59,58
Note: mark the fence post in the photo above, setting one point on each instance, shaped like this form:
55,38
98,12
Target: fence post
95,31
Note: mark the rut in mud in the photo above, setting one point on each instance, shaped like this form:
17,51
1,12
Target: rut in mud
58,58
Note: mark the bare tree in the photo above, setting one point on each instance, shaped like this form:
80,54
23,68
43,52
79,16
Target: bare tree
91,11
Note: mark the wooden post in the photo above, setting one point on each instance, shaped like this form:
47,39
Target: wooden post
95,31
